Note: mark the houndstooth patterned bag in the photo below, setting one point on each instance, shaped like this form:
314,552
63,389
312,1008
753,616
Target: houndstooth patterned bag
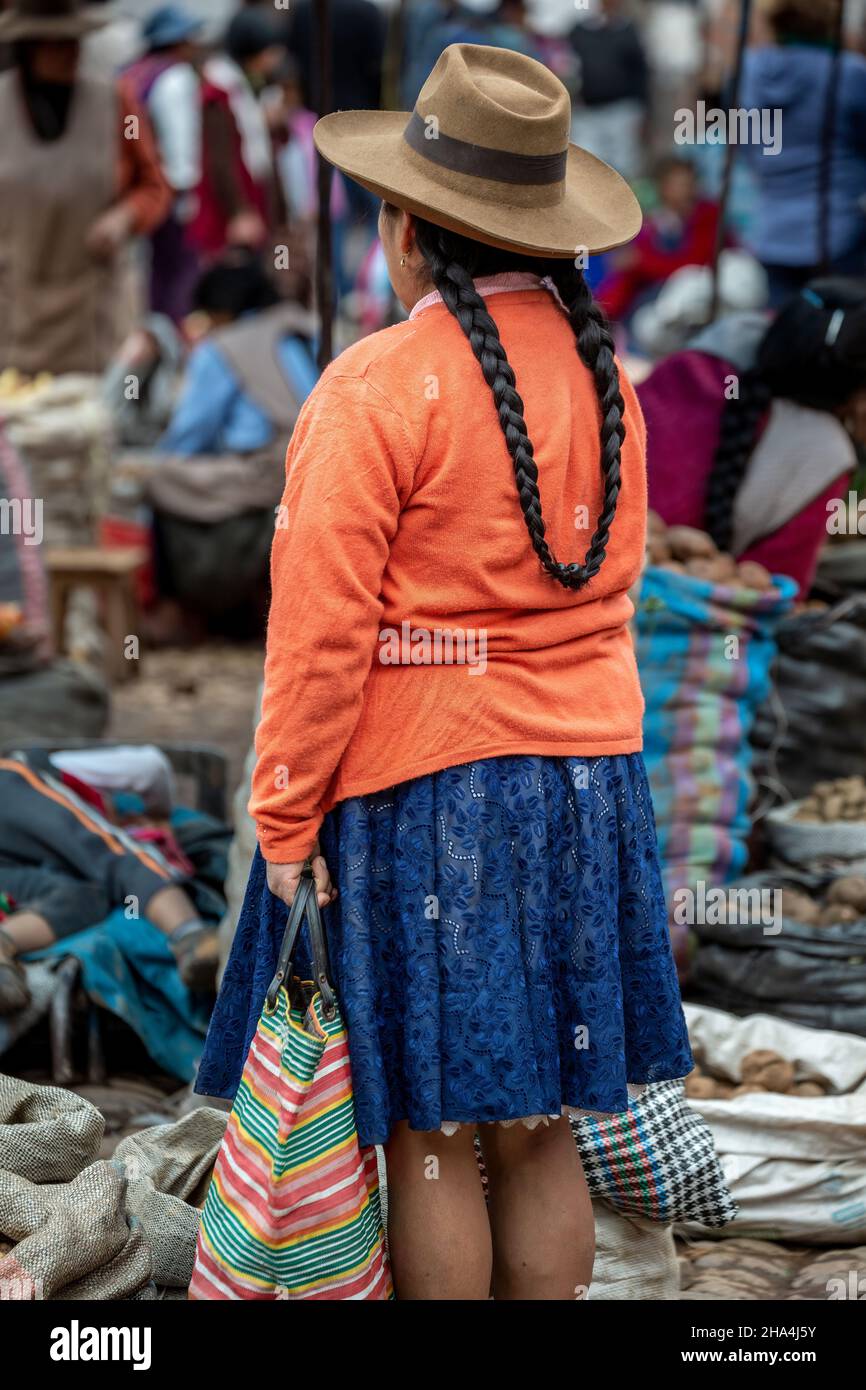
658,1160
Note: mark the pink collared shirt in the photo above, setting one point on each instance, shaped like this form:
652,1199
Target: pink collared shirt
506,282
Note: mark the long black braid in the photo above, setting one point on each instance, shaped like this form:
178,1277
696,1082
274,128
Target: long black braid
454,262
739,431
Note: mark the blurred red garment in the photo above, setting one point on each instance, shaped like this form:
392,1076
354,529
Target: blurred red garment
229,187
162,837
141,184
660,248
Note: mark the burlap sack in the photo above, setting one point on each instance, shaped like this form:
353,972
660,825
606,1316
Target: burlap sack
85,1229
46,1134
815,846
795,1165
71,1240
635,1259
167,1169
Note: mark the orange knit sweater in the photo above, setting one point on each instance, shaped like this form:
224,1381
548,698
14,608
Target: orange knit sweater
412,627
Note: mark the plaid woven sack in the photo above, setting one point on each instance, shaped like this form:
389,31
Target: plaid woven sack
293,1210
658,1160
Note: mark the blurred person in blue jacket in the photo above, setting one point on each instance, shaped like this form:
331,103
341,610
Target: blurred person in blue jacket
790,71
434,24
249,373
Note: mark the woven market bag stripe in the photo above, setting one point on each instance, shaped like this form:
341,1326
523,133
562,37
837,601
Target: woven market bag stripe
293,1209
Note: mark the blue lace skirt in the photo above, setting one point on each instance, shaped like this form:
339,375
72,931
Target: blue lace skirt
499,947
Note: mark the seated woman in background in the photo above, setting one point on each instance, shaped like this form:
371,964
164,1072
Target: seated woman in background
750,429
219,468
679,231
249,375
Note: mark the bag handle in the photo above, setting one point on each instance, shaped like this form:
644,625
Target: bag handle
305,904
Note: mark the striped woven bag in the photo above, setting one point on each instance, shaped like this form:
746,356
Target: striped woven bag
292,1210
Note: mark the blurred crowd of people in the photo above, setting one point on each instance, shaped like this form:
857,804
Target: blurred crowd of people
214,148
159,203
225,155
159,188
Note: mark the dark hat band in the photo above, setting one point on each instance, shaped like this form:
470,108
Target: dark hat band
462,157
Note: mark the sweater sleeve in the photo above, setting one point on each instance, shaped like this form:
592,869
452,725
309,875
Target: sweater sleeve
143,188
348,472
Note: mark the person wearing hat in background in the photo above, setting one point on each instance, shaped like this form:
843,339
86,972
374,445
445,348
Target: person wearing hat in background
74,190
166,82
451,726
807,184
237,195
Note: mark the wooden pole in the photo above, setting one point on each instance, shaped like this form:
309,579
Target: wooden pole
324,240
394,57
828,132
730,152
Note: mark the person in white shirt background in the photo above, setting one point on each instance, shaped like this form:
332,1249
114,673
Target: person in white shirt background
167,84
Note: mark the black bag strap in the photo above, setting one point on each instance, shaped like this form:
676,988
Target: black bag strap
304,904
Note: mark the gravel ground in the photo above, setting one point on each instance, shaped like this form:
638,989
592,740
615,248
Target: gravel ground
203,694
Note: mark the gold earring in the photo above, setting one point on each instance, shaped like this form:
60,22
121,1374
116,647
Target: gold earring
402,260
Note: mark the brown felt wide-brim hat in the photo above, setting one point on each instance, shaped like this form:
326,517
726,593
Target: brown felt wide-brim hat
49,19
486,153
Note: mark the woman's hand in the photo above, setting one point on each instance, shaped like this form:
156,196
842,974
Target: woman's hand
283,880
246,228
107,234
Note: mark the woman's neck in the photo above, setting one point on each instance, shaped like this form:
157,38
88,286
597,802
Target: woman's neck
503,283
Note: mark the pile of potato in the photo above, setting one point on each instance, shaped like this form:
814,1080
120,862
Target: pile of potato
761,1071
16,386
684,550
844,799
844,901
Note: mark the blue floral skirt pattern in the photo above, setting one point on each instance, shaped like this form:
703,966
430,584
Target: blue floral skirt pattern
499,946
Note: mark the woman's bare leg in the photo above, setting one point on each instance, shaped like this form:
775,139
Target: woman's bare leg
540,1212
25,931
22,931
438,1231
